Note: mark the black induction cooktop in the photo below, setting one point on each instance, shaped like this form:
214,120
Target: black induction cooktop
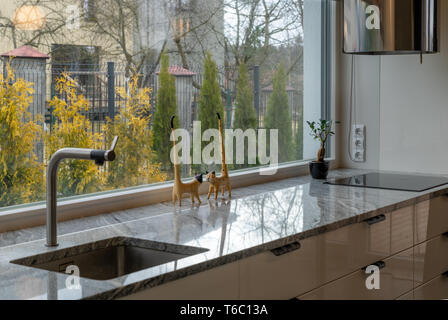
389,181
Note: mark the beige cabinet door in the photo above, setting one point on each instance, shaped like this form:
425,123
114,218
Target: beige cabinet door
267,276
431,218
220,283
395,279
436,289
431,259
348,249
385,239
326,257
407,296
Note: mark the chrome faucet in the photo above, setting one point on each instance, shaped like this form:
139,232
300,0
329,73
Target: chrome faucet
99,156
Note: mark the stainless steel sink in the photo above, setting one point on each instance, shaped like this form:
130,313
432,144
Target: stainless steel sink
111,258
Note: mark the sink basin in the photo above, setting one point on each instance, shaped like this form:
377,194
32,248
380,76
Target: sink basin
111,258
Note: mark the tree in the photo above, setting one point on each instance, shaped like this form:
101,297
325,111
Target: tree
135,163
122,28
21,175
165,109
245,113
210,101
278,116
256,26
73,129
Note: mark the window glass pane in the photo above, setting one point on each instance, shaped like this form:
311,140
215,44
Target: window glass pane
77,73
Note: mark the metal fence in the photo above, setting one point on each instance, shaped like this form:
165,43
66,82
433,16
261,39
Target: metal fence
98,84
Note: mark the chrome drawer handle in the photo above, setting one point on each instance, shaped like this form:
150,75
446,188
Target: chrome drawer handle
375,220
286,249
379,264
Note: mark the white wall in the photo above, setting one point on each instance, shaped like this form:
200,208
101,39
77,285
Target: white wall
405,107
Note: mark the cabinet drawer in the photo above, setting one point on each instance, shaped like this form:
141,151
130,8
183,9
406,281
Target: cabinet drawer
431,218
326,257
436,289
396,279
220,283
407,296
348,249
431,259
267,276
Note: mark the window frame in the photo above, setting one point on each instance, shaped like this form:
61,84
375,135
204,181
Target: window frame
31,215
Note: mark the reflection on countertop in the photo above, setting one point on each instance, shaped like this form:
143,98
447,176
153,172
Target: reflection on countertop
259,218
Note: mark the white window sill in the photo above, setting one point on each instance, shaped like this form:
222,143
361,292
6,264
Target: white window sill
21,217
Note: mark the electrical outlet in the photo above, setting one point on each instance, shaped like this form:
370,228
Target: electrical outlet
360,156
359,131
359,142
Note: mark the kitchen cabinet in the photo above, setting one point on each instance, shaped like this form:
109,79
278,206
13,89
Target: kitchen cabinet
327,257
410,245
430,259
431,218
436,289
267,276
395,279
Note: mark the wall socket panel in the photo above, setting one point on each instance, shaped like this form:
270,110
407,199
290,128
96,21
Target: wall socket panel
358,143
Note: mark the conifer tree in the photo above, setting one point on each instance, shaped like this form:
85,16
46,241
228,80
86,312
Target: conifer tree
166,107
210,101
245,113
278,116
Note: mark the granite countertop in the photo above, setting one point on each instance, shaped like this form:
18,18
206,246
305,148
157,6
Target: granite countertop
257,219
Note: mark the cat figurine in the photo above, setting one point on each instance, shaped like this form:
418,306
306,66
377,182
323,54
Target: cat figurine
180,187
222,182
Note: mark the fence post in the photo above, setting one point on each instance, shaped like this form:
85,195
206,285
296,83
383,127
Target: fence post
111,89
257,92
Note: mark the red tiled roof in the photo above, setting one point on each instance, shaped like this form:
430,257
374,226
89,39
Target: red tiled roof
25,52
179,71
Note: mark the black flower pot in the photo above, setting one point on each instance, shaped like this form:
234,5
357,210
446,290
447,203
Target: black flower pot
319,170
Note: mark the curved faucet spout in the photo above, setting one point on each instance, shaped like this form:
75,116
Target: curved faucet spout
99,156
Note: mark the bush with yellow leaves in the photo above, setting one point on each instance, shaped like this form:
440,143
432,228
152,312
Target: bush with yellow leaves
21,175
73,129
135,164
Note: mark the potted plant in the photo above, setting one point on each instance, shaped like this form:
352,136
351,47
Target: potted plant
321,131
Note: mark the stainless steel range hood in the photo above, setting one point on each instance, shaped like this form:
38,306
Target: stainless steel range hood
391,26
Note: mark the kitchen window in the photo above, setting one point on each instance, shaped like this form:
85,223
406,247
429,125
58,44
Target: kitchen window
269,62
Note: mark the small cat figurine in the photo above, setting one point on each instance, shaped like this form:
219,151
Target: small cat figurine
180,187
222,182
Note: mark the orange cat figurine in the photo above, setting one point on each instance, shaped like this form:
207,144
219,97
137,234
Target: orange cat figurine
180,187
222,182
